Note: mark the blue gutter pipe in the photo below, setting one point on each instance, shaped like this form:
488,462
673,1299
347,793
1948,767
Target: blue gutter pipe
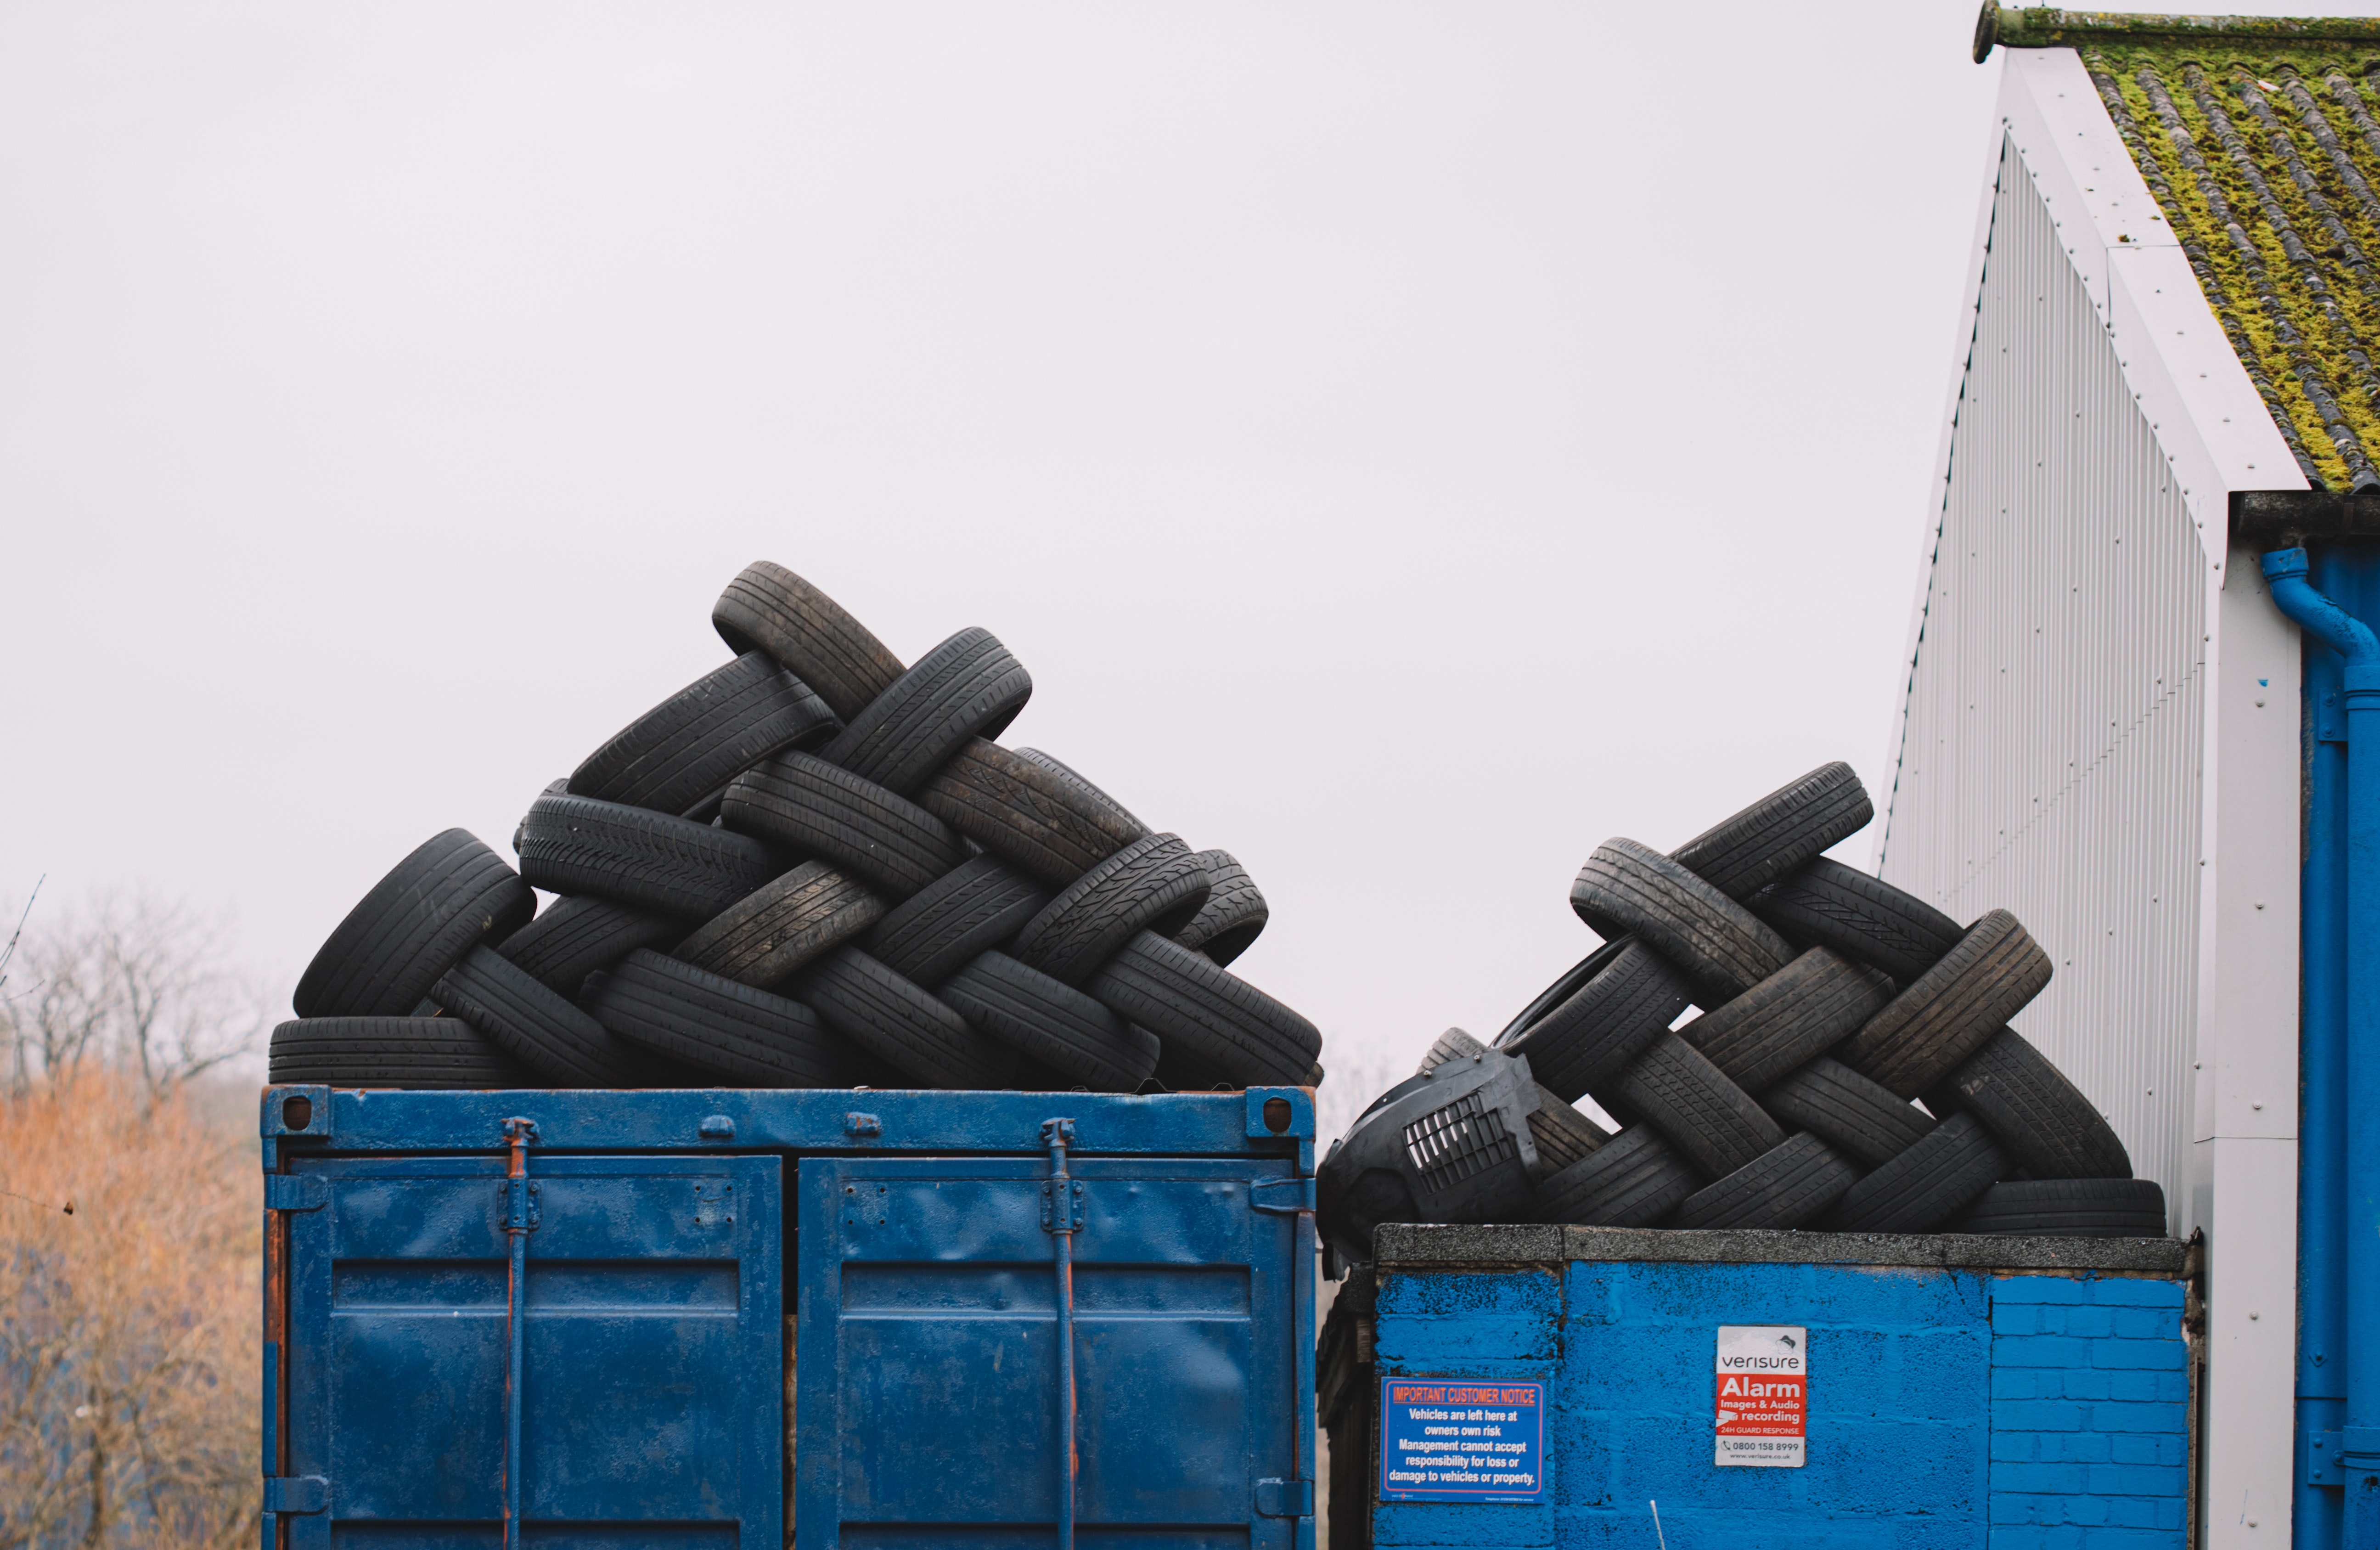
2322,1087
2353,1201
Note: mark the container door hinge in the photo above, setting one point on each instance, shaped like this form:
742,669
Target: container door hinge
299,1493
1284,1498
295,1191
1282,1197
2318,1459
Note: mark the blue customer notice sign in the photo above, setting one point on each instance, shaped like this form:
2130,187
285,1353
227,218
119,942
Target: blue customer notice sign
1462,1440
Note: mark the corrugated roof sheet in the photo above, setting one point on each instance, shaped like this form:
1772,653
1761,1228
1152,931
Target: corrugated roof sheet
2262,142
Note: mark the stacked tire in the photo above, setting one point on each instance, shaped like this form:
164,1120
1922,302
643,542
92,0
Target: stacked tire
812,867
1828,1001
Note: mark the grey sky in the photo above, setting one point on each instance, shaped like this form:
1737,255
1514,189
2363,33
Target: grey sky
1407,443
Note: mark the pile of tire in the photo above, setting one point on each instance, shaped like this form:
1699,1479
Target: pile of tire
813,867
1851,1068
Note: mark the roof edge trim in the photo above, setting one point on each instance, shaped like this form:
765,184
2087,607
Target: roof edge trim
2049,27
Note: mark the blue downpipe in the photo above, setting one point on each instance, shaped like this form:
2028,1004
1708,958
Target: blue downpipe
2339,1267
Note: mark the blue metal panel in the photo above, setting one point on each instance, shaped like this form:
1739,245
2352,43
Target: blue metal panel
652,1396
929,1311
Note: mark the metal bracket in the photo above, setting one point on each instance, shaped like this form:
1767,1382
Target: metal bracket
862,1127
716,1127
714,1204
295,1191
1049,1215
298,1494
299,1111
1301,1196
1284,1498
2318,1459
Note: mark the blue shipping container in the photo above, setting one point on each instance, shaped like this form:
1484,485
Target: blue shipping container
584,1320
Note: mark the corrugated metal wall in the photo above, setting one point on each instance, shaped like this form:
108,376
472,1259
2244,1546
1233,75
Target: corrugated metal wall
2052,751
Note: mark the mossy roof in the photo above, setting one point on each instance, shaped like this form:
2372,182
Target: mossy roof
2261,140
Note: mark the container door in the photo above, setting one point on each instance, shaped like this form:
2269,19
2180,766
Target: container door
927,1399
653,1399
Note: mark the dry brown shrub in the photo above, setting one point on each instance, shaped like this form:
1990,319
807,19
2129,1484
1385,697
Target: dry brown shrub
128,1343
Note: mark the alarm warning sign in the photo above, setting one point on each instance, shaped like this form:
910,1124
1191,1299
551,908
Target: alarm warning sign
1763,1395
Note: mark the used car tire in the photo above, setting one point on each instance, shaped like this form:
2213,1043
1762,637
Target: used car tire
1789,1019
2044,1120
2068,1208
750,1036
450,895
1785,1187
1633,1180
977,905
1047,823
652,861
763,937
693,743
1626,888
1620,997
539,1028
1712,1121
769,608
901,1023
1218,1019
1781,830
1050,763
1948,1011
1927,1185
1052,1023
1234,914
968,686
1827,903
808,804
1155,884
1848,1112
430,1053
572,938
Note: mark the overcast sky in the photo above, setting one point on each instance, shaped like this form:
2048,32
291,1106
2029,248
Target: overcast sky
1407,443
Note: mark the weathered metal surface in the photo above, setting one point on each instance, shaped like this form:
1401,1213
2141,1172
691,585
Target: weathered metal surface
1417,1246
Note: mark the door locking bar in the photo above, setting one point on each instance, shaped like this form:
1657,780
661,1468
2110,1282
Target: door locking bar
1061,1217
520,1220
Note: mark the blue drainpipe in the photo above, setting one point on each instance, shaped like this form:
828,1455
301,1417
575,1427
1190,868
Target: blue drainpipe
2339,1178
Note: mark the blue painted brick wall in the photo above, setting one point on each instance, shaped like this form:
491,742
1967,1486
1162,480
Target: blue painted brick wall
1949,1408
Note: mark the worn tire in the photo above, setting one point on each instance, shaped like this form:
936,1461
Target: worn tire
1046,822
901,1023
651,861
709,1021
1948,1011
1052,1023
1781,830
1234,914
977,905
450,894
1927,1185
1789,1019
769,608
1050,763
572,938
1452,1045
1715,1123
805,801
430,1053
2068,1208
1848,1112
1219,1020
1155,884
1623,997
2044,1120
761,938
1627,888
968,686
1785,1187
1563,1136
1633,1180
1827,903
693,743
539,1028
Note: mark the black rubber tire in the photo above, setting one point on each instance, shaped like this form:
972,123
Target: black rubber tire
1047,823
1626,888
1219,1020
763,937
539,1027
1848,1112
968,686
769,608
2017,1094
1573,981
430,1053
1155,884
1948,1011
1925,1186
899,1022
1781,830
1626,997
975,907
572,938
804,801
1052,1023
1715,1123
1452,1045
652,861
450,895
677,754
713,1024
1178,1072
2067,1208
1789,1019
1786,1186
1234,914
1050,763
1633,1180
1827,903
1563,1136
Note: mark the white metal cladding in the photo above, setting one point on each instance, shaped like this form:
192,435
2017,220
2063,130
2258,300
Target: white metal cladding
2051,752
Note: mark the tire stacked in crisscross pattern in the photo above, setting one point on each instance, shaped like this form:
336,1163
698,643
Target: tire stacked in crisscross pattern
1831,1000
813,866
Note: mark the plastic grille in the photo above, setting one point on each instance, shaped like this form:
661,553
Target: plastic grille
1461,1140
